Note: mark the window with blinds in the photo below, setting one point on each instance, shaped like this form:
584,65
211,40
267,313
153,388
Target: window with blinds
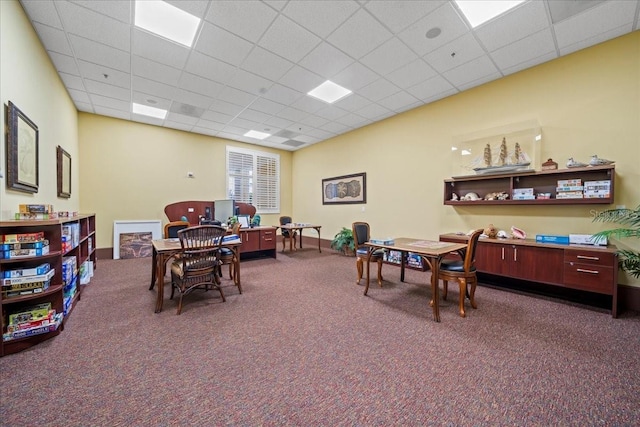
254,177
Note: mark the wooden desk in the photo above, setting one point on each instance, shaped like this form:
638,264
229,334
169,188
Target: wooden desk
163,249
431,252
292,227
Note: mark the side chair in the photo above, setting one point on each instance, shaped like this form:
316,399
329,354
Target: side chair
227,256
361,234
288,235
171,232
197,266
464,271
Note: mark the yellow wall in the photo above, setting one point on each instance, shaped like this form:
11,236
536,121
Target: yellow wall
29,80
586,103
132,171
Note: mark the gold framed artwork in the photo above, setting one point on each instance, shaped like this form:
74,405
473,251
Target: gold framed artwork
63,161
346,189
22,152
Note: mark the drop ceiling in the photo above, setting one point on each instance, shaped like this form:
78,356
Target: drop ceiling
253,62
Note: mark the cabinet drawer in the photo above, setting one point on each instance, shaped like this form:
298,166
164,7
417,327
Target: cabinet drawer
268,239
589,277
593,258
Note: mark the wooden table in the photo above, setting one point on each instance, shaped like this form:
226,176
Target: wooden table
431,252
298,226
163,249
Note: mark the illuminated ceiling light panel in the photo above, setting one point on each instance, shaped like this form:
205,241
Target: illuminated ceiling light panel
480,11
167,21
329,92
145,110
257,135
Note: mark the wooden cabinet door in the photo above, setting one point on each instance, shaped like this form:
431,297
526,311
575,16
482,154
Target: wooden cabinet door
492,258
250,241
537,264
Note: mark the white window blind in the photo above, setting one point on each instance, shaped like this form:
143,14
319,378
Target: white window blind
254,177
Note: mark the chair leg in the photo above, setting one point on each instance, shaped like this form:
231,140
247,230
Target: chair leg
463,292
445,289
180,304
360,268
380,272
472,293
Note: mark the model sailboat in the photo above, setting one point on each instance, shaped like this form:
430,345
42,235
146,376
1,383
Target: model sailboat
504,164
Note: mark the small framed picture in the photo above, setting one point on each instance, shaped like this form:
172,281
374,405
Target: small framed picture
244,221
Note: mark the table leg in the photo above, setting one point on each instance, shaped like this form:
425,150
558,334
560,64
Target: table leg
366,288
435,288
402,264
160,279
300,238
318,230
154,263
236,268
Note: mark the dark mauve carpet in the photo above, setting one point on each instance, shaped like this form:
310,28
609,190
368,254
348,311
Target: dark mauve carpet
302,346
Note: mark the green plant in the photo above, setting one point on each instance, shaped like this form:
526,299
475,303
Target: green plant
343,241
629,259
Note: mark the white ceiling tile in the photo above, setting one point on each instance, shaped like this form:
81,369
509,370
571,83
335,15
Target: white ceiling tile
288,39
326,60
373,111
525,50
266,64
398,101
279,122
471,71
122,10
150,100
209,68
89,70
276,139
53,39
335,127
309,104
146,119
249,82
244,124
411,74
196,8
390,56
99,88
597,20
528,64
222,44
194,83
526,19
192,98
479,81
79,96
154,71
321,134
225,107
236,96
594,40
359,35
110,112
216,117
94,26
446,18
97,53
431,88
187,127
105,101
455,53
314,121
282,94
158,49
87,108
151,87
267,106
397,15
352,102
254,115
181,118
352,120
210,125
246,18
320,17
379,89
300,79
292,114
72,82
355,76
43,11
331,112
64,63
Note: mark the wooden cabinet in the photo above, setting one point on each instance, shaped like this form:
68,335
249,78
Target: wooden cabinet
68,239
592,269
541,183
258,241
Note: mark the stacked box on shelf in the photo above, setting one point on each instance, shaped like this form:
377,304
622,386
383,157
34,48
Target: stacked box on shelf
70,236
85,272
24,249
569,189
523,194
393,256
20,272
414,260
597,189
29,321
26,285
31,208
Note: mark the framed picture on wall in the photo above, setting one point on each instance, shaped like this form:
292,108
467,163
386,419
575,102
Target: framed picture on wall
346,189
22,152
63,161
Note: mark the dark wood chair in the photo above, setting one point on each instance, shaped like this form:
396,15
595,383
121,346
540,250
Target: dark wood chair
228,257
198,263
361,234
288,235
464,271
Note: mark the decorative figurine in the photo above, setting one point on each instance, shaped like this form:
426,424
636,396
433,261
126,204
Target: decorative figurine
491,232
518,233
596,161
502,234
503,152
549,165
575,164
470,197
454,197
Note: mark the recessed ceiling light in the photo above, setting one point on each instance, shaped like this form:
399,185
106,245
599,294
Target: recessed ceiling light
329,92
257,135
480,11
145,110
167,21
433,33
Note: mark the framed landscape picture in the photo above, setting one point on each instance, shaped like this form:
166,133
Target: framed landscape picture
346,189
22,152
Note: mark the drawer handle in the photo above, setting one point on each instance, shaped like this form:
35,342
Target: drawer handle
582,270
268,240
593,258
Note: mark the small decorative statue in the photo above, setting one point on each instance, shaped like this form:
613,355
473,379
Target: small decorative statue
575,164
491,232
596,161
471,196
454,197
